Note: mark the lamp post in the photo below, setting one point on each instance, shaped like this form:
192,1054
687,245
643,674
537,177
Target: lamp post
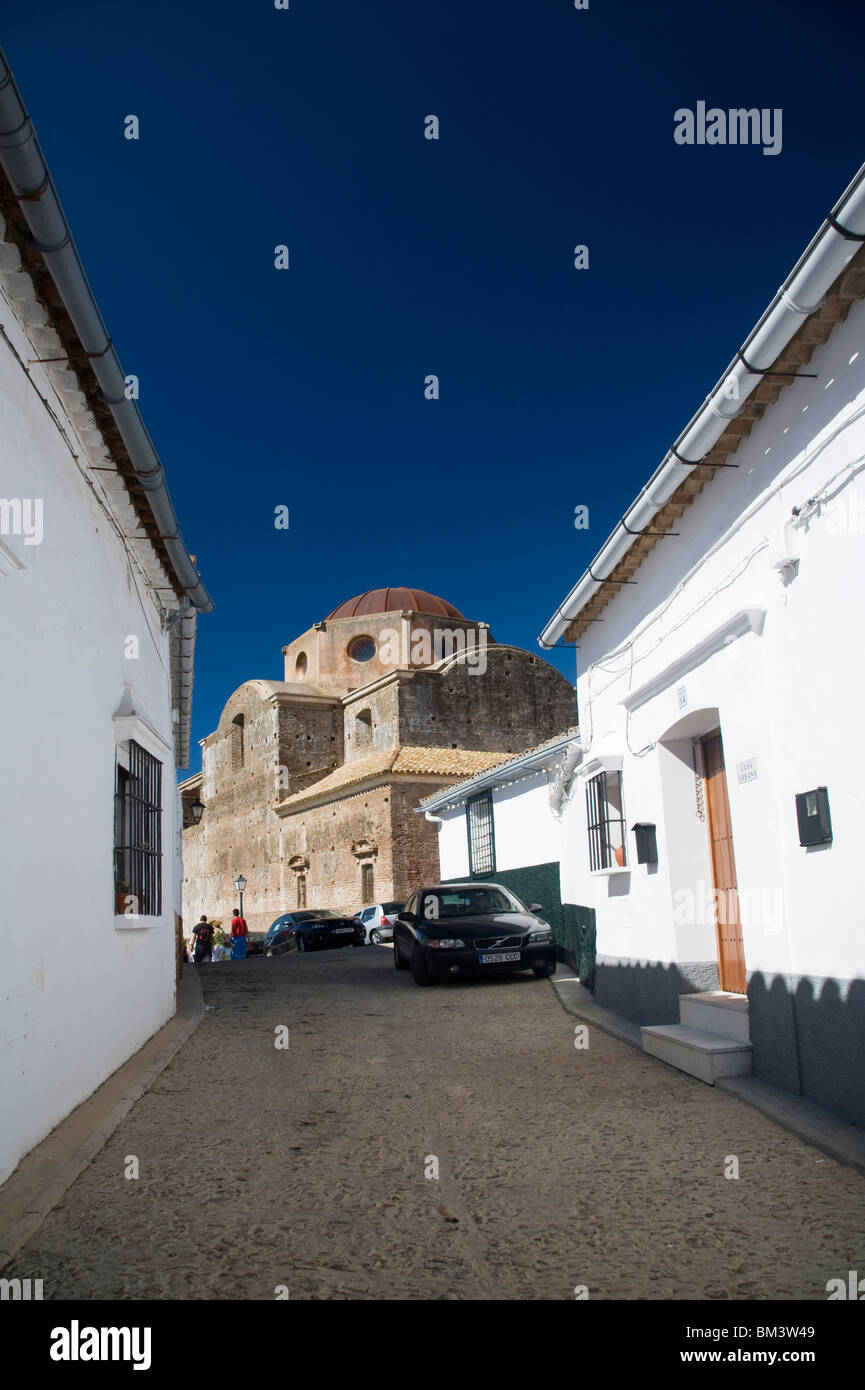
240,884
197,809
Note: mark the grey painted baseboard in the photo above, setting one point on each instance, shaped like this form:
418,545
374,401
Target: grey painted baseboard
648,991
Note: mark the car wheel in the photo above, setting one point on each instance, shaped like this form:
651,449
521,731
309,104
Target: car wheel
419,972
398,962
375,938
543,972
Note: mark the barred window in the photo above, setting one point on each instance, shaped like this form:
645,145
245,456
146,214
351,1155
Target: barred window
606,821
482,850
138,835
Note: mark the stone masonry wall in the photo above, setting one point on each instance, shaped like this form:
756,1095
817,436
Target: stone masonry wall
326,834
519,701
415,839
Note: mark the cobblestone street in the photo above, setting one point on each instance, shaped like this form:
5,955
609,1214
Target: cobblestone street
263,1167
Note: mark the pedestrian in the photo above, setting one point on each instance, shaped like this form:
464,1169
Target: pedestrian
203,934
219,942
238,936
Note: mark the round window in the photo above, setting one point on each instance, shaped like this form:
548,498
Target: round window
361,649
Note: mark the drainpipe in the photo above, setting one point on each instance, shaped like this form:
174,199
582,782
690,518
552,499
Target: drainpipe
802,293
428,815
27,172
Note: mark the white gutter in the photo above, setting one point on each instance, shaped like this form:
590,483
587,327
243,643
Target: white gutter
27,172
835,244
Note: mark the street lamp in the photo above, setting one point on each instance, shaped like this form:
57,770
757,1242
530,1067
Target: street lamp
240,884
197,809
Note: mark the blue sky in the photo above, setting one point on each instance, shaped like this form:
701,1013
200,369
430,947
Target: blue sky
305,387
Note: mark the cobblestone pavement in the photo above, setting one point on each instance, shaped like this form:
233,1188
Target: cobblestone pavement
558,1167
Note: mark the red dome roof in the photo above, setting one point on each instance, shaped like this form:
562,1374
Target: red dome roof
395,601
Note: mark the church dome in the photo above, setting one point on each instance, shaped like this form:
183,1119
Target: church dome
395,601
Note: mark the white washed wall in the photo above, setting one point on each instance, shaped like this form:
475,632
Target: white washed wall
525,831
79,996
791,697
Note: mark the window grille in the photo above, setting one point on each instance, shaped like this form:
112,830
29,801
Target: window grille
606,821
482,852
138,835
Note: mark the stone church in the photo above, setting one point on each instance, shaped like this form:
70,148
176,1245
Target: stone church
310,785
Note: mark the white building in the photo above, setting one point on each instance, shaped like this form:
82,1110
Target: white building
498,825
98,601
720,700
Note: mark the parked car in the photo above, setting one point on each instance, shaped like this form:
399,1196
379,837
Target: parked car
470,929
255,943
317,927
280,935
378,921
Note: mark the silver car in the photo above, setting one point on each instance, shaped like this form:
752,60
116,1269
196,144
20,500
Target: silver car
378,921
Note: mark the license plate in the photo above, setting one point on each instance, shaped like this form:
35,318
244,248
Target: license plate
338,930
499,956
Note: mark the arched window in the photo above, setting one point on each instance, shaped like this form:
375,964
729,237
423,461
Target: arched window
363,728
237,736
300,666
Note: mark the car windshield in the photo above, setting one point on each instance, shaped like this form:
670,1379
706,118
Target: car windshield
467,902
317,914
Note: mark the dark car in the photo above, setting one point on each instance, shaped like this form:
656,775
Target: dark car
280,935
470,929
314,928
255,943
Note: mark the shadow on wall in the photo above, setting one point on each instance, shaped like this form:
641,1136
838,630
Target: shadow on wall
648,991
809,1037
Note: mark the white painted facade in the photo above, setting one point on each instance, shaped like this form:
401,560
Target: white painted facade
83,987
525,831
716,633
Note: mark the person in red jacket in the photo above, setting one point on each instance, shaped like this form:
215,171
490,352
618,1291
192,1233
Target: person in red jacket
238,936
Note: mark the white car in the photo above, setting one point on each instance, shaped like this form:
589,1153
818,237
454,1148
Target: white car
378,921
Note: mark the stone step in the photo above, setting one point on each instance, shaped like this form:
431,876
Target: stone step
704,1055
717,1012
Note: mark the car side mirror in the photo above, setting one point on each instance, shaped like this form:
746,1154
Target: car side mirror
536,907
408,917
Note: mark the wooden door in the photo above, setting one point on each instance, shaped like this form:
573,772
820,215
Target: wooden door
731,948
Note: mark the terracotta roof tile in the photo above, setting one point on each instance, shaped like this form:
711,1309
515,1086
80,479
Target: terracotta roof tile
505,762
433,762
